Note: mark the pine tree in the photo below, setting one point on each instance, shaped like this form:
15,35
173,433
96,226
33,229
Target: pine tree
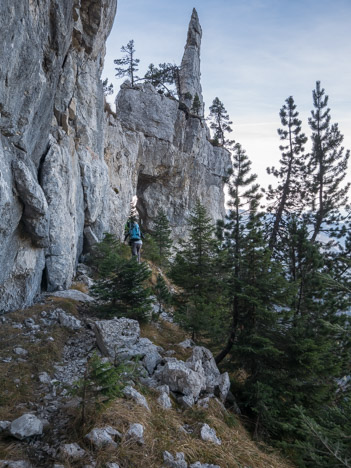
244,198
162,236
220,122
288,197
107,87
162,293
128,64
327,168
194,271
164,78
122,282
196,107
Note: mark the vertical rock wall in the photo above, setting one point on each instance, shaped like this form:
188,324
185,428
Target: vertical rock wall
53,179
67,170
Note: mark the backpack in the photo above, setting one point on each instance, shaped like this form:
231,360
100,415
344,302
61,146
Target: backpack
134,232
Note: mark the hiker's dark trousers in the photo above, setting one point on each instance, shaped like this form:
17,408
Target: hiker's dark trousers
136,248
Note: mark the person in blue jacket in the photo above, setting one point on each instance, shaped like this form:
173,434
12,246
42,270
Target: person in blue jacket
132,230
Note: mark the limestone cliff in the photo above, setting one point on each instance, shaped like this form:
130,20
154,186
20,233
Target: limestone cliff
57,194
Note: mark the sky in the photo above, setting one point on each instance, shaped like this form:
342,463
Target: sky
254,55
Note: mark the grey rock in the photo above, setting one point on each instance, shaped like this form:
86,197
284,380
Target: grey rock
136,433
203,361
73,294
102,437
27,425
209,435
44,378
164,401
121,338
4,426
189,74
186,401
69,321
203,402
16,464
181,378
112,465
58,466
188,343
130,392
36,213
169,461
72,452
20,351
151,360
163,389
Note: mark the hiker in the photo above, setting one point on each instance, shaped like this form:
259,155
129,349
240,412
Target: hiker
132,230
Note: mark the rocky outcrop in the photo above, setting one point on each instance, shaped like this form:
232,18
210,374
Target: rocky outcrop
67,171
174,164
53,179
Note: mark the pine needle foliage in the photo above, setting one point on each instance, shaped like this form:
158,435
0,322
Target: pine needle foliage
161,234
122,281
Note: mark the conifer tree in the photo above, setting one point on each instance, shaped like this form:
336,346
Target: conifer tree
288,197
328,168
196,107
162,293
244,198
128,64
164,77
122,281
220,122
162,236
194,271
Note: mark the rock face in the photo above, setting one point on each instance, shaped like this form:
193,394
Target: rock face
67,170
53,179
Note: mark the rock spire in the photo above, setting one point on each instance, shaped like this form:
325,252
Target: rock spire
190,67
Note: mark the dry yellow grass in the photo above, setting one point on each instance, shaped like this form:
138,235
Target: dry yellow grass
162,431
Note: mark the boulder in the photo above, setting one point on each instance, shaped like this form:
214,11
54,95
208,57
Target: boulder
136,433
121,338
209,435
68,320
169,461
203,361
164,401
28,425
131,393
15,464
4,426
73,294
181,378
102,437
188,343
72,452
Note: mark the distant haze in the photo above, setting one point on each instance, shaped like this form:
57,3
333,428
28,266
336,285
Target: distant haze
254,54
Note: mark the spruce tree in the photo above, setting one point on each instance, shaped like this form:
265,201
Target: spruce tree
328,169
194,270
288,197
122,282
196,107
162,236
162,293
128,64
220,122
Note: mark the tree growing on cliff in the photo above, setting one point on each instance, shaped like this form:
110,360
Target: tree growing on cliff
220,123
164,78
128,64
107,87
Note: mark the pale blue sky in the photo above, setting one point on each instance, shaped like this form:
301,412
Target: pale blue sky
254,54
